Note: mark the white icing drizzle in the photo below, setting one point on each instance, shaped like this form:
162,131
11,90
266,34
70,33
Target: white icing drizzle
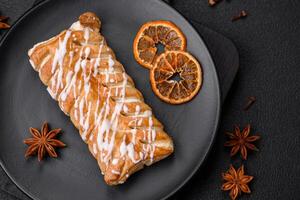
71,84
108,127
115,172
134,131
115,118
140,122
151,137
131,153
137,110
125,109
32,64
123,149
45,60
115,161
105,122
86,123
60,52
51,93
111,63
57,79
76,26
95,148
129,100
98,102
86,35
98,60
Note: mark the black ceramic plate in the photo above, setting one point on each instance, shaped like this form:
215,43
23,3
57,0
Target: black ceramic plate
75,175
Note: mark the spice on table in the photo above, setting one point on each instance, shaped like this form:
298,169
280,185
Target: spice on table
242,14
213,2
236,181
241,141
3,22
250,102
43,142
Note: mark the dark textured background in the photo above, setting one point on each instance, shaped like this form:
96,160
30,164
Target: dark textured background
269,46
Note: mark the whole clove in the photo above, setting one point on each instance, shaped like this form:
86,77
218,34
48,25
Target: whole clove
250,102
242,14
213,2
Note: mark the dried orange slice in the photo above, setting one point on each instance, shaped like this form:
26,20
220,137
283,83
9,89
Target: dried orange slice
153,33
170,64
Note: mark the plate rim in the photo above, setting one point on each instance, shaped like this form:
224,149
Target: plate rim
218,112
216,126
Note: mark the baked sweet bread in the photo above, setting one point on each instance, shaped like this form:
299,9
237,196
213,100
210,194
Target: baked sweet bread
81,72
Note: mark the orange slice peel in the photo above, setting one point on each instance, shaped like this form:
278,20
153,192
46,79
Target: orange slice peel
173,63
153,33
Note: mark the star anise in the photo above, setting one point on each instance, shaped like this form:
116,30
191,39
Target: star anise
236,182
240,141
3,24
43,142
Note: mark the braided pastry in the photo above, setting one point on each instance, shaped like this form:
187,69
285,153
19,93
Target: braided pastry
81,72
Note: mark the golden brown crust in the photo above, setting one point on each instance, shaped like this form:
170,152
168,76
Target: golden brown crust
92,87
91,20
